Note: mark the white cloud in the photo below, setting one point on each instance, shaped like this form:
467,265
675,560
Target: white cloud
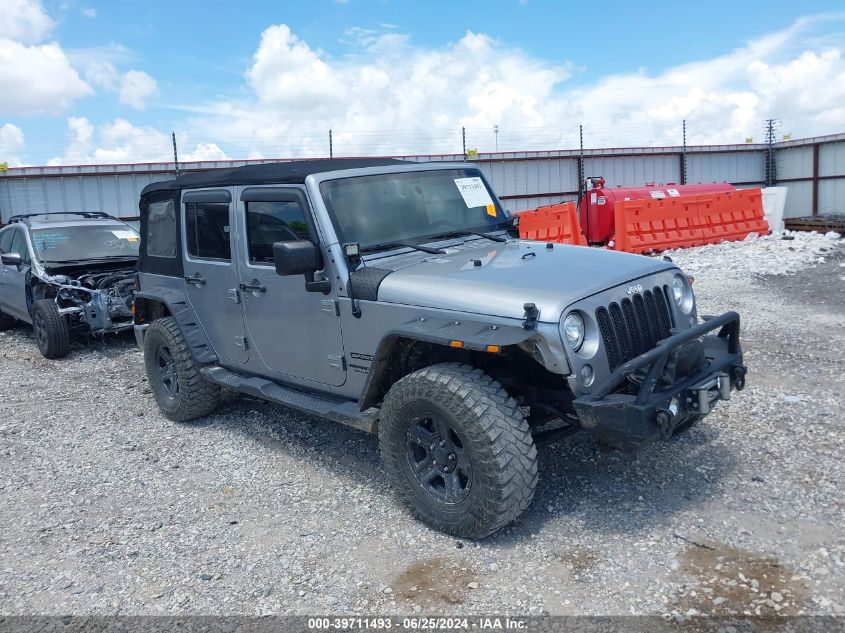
136,87
37,79
102,74
24,21
89,12
11,142
389,96
120,141
133,87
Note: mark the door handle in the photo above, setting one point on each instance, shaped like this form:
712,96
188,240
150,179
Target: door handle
197,280
254,286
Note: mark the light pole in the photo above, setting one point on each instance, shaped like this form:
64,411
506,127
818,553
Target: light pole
496,134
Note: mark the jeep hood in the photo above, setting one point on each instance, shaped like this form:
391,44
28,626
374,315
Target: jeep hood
511,275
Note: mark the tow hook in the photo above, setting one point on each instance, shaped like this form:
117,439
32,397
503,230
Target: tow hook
664,421
739,377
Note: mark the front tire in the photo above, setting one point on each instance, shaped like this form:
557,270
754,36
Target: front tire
458,449
181,392
51,329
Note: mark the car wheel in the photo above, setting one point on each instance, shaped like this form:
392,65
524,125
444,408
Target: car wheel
6,322
458,449
174,376
51,329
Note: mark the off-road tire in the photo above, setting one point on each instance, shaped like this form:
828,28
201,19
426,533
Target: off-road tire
6,322
493,432
51,329
193,396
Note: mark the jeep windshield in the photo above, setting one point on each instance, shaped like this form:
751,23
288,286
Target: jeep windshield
409,208
74,244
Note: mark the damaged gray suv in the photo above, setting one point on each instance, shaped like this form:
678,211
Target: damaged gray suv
67,273
393,297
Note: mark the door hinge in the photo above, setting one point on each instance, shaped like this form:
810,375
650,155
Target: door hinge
242,343
337,361
329,306
234,295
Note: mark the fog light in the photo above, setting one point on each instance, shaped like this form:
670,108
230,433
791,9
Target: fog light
587,375
674,407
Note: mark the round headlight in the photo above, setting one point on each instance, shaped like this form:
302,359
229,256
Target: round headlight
573,330
682,294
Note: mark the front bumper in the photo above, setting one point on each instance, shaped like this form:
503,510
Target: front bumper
676,382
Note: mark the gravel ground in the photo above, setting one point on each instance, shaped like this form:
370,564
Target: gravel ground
108,508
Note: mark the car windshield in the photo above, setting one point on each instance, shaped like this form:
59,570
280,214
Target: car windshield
411,207
80,243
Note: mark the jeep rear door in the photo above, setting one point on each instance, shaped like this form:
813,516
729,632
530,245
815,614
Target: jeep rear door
292,332
210,278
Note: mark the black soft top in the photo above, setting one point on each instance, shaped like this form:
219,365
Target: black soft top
290,172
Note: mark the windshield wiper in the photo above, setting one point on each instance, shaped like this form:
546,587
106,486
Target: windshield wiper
89,260
388,245
493,238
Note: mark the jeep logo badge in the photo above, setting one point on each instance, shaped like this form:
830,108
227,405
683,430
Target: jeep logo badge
635,289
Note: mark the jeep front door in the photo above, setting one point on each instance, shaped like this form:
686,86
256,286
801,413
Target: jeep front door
295,333
210,278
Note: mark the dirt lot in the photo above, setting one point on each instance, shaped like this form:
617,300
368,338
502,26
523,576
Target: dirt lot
107,507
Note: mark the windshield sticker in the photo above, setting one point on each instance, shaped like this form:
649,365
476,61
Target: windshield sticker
47,241
129,236
473,192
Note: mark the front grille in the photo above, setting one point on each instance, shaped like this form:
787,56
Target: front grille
634,326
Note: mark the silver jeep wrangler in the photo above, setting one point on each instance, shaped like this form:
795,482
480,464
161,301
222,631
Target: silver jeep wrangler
392,297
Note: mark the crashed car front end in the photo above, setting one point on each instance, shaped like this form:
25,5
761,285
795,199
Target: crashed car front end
96,300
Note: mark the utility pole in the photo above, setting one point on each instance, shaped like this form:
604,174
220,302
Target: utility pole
331,148
464,141
581,174
684,156
496,133
771,172
175,154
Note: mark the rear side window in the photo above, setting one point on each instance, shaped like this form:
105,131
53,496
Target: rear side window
207,230
161,229
270,222
6,240
19,246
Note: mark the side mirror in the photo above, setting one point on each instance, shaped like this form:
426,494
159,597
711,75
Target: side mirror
296,258
11,259
301,257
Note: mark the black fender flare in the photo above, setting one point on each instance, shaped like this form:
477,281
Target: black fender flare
473,335
183,313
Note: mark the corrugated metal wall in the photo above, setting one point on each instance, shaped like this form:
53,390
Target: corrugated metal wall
813,169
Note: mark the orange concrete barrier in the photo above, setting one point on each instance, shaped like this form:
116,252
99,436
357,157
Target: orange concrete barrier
555,223
733,215
657,224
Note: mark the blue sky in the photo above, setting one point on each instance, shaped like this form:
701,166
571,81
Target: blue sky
107,82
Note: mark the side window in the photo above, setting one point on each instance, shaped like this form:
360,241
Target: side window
19,245
269,222
161,229
207,230
6,240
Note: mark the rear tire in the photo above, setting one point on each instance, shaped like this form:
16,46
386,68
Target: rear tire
51,329
181,392
458,449
6,322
